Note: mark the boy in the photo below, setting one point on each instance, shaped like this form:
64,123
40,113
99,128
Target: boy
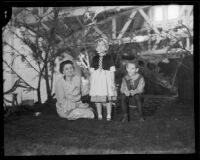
132,87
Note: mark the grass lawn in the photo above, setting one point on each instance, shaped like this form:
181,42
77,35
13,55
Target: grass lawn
169,129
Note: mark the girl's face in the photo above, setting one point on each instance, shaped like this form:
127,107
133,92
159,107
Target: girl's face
68,70
131,69
101,47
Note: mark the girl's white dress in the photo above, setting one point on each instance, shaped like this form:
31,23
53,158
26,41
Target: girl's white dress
102,87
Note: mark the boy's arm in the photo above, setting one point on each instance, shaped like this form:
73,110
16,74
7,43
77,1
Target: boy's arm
140,87
124,88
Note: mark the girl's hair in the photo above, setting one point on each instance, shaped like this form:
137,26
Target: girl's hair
104,41
62,64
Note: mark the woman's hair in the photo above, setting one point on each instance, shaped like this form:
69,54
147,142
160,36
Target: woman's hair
104,41
62,64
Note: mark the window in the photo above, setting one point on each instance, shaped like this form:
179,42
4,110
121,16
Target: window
158,14
173,11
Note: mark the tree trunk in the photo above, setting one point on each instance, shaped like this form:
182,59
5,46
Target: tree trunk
47,82
52,75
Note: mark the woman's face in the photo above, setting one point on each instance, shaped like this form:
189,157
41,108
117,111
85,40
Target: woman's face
101,47
68,70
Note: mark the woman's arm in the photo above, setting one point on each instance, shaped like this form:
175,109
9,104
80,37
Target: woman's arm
59,92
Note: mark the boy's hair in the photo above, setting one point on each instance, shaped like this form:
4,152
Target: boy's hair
132,62
62,64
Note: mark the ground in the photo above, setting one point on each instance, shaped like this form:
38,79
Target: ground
169,128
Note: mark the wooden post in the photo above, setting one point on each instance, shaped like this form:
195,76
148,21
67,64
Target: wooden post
114,28
148,20
125,27
100,32
188,43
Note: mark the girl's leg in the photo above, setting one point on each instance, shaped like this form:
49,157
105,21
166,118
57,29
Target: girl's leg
99,110
109,111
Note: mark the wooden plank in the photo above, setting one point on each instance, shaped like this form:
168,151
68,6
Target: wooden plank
126,25
45,26
146,18
119,14
114,34
57,36
187,43
79,21
182,9
100,32
40,11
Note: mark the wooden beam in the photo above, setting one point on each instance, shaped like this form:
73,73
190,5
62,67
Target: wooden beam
126,25
148,20
122,13
79,21
57,36
181,11
188,43
100,32
108,19
114,34
47,14
40,11
45,26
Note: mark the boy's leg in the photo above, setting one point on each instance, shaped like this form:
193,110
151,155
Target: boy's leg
125,107
138,99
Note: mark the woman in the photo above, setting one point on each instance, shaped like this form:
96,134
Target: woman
102,88
68,94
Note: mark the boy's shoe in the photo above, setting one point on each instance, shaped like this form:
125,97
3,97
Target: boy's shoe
125,118
142,119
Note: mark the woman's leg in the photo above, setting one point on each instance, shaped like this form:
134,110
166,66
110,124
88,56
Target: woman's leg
109,111
99,110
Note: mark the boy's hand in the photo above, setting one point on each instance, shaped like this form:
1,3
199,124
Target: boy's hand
132,92
127,93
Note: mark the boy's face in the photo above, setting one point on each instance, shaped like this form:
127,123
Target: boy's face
131,69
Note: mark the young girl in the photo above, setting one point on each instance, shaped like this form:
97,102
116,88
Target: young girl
102,88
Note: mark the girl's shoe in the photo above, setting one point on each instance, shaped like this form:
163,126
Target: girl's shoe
108,118
100,117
